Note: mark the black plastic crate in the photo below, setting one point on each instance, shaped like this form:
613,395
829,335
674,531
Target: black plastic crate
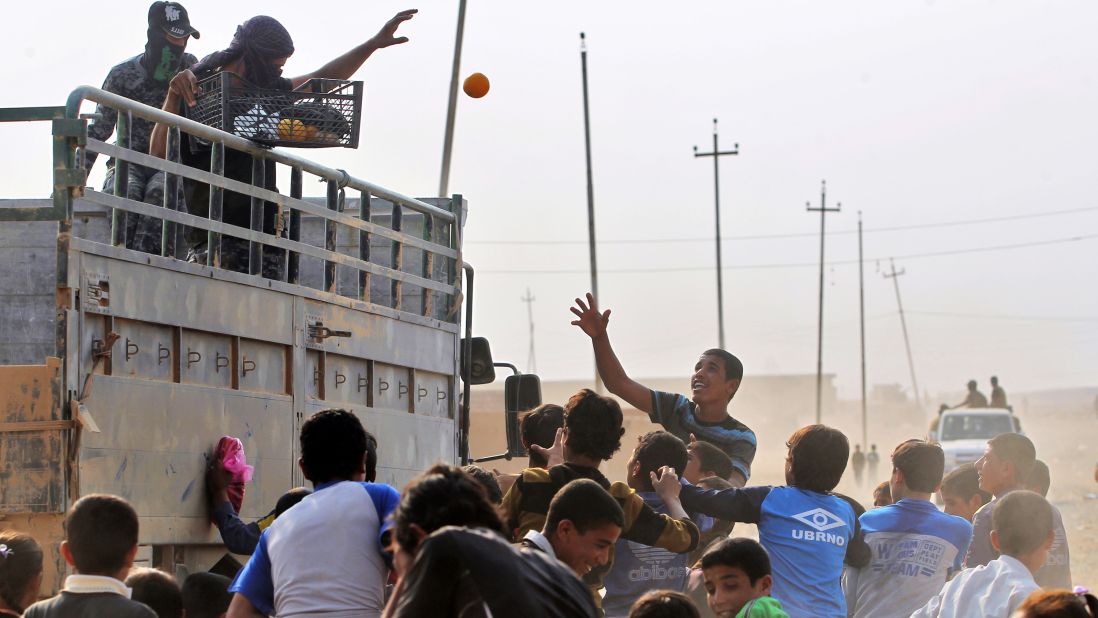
321,113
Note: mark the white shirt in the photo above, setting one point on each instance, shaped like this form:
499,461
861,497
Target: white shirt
86,584
541,541
995,589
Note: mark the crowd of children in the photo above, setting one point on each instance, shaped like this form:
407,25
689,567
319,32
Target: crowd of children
561,540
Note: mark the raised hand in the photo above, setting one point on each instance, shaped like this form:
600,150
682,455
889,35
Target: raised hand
590,320
387,35
666,483
554,454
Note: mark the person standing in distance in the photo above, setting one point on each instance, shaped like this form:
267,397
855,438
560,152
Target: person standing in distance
702,416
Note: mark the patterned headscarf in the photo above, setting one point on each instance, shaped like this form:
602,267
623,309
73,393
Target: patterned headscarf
259,41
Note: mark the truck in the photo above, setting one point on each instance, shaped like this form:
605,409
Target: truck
963,432
119,370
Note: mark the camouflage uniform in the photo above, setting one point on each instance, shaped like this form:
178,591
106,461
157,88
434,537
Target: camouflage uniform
131,80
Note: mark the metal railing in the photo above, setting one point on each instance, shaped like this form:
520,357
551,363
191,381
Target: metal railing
439,238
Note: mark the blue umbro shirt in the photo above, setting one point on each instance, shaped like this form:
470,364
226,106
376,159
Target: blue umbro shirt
805,532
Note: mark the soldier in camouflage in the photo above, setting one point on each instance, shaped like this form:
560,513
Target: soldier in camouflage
144,78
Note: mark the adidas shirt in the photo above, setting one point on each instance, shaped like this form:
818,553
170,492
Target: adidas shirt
323,556
805,532
915,548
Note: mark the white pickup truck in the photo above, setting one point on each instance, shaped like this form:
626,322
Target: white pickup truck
963,433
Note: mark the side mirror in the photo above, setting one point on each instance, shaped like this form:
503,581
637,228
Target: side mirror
483,371
521,393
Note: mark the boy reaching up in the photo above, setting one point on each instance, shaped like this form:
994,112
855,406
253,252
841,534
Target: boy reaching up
738,581
703,415
1022,531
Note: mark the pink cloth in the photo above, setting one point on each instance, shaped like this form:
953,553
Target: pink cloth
231,453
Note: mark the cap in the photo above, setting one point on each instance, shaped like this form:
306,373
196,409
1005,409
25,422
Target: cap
172,18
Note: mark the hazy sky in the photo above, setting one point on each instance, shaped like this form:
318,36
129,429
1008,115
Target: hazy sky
916,112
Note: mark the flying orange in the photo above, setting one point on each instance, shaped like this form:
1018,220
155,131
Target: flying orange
476,85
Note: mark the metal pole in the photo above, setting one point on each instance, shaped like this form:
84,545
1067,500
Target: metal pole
894,275
823,210
531,358
716,154
861,324
451,110
590,189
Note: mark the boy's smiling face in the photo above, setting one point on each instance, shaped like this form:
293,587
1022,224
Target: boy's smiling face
728,589
709,384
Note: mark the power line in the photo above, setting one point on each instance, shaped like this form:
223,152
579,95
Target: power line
911,256
1026,318
893,228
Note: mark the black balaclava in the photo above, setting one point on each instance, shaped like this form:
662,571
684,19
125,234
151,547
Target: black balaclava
259,41
162,58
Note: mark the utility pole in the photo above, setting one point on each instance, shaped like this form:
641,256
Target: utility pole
531,358
590,190
717,154
451,110
894,275
823,210
861,326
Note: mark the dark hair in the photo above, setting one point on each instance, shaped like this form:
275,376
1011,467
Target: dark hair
656,449
584,503
101,530
964,482
206,595
539,426
158,590
1039,479
334,446
1016,449
290,498
711,458
921,462
442,496
883,490
740,553
1023,521
733,368
1060,603
594,424
487,480
663,604
20,564
818,456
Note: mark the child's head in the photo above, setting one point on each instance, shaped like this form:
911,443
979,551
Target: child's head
654,450
20,570
735,570
539,427
717,376
882,495
487,480
1039,480
961,493
444,495
917,467
206,595
100,536
1022,526
592,426
663,604
705,459
335,447
1060,603
582,524
158,590
1006,462
817,458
